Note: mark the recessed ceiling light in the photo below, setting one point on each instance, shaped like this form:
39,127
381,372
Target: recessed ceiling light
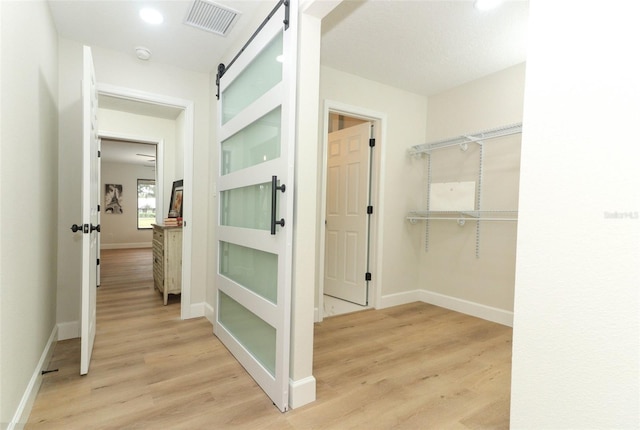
487,4
151,16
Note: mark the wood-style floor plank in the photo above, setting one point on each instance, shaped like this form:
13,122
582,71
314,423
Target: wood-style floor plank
415,366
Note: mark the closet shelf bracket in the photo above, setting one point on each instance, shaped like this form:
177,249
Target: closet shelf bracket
464,140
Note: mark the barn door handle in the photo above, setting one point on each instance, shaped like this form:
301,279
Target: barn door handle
274,188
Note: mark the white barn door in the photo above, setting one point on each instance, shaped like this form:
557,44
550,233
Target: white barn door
256,130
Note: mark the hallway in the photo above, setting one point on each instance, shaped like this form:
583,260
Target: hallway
149,369
411,366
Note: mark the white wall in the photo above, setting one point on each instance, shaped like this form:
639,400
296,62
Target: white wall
401,183
28,216
450,266
576,337
167,130
124,70
121,230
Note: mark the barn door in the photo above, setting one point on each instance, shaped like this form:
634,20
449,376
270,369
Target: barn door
255,190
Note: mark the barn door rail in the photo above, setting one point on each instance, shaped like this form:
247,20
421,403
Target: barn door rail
222,69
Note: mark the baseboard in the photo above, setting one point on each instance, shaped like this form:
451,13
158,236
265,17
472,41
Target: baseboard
302,392
400,299
197,310
209,313
68,330
485,312
125,245
21,415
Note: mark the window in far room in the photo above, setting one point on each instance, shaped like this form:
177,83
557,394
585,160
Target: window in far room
146,203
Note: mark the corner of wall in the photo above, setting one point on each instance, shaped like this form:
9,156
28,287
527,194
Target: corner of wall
302,392
209,313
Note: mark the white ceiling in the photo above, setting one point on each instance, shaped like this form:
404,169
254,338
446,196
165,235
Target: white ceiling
423,46
115,151
115,24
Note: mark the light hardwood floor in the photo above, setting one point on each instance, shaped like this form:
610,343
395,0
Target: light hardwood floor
415,366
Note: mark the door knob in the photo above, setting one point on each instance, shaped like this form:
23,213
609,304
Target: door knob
76,228
95,227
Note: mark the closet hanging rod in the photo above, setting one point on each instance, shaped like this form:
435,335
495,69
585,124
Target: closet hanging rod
480,136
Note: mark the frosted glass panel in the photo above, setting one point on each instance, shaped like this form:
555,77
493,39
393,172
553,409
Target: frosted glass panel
262,74
247,207
254,334
253,269
255,144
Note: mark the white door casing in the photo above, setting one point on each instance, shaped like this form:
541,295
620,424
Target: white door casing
90,217
347,222
187,310
253,281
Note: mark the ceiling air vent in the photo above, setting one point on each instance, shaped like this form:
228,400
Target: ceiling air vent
211,17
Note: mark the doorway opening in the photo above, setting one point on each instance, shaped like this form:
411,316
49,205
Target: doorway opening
173,160
349,199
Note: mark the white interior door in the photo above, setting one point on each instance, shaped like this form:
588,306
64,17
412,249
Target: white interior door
347,221
255,225
90,221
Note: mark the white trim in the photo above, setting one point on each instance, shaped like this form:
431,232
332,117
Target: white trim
159,143
379,120
397,299
302,392
209,313
187,203
485,312
135,245
478,310
141,96
316,314
68,330
23,411
197,310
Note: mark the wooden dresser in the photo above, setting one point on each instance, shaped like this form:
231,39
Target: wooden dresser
167,260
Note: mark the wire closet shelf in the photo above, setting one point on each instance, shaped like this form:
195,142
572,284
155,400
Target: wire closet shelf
462,216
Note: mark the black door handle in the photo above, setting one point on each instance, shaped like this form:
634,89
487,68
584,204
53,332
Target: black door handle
86,228
274,202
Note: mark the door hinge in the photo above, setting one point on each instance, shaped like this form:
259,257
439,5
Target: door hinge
367,276
98,208
98,262
369,210
372,142
98,153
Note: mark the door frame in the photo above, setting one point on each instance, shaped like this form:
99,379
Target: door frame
159,176
186,308
379,121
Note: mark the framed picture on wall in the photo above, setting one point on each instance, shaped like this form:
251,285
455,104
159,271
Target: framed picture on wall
175,207
113,198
